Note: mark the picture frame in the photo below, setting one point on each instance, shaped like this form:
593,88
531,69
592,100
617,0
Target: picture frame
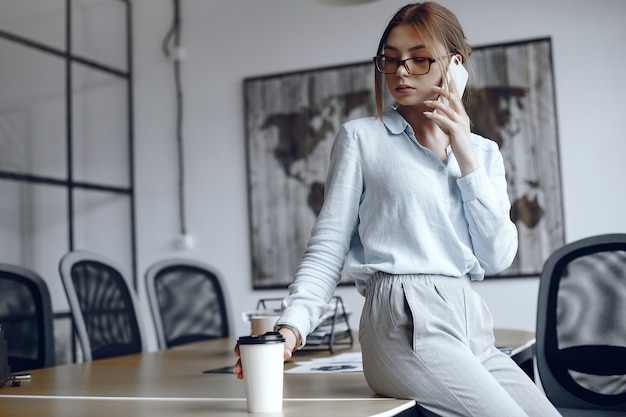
290,124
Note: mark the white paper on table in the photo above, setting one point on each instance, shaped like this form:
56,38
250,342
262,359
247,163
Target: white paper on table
345,362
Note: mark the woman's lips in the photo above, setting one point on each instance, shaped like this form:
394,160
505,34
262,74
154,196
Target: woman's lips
404,89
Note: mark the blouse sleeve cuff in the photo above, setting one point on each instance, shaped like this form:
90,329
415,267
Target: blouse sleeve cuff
473,184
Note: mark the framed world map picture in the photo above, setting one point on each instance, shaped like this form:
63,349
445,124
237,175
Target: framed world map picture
291,120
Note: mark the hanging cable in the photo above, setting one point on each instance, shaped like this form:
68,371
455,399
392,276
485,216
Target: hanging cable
172,49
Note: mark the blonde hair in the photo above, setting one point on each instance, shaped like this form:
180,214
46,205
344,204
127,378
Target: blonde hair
439,29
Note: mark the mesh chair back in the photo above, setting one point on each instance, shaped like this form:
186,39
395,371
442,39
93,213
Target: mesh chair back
581,328
103,307
187,302
5,369
26,317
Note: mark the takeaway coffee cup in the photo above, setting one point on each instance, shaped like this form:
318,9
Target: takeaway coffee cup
262,361
262,324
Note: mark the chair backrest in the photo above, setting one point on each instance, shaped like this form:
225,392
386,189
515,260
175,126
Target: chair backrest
103,306
581,324
187,301
26,317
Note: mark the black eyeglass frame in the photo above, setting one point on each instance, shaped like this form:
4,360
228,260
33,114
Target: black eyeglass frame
403,63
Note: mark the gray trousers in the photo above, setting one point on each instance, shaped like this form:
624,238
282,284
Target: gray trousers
430,338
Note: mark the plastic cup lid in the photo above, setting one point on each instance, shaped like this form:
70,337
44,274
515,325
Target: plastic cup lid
269,337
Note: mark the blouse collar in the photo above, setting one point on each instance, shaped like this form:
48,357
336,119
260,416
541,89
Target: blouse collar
394,122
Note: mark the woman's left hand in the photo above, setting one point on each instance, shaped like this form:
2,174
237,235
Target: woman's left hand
291,341
450,115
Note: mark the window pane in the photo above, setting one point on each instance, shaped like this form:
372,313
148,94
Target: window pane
34,231
36,20
100,127
102,225
99,31
32,112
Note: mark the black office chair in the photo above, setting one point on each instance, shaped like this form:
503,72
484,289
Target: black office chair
581,327
103,306
26,317
187,302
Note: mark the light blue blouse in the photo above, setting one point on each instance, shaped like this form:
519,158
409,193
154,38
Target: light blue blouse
392,205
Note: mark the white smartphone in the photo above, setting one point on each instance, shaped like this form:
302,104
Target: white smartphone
458,74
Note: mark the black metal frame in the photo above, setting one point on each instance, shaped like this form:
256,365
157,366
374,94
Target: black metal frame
70,183
333,339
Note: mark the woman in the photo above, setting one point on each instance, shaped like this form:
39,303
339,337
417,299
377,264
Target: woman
415,209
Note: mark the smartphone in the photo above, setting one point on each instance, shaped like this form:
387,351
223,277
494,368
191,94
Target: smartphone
457,74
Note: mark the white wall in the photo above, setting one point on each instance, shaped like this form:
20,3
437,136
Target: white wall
229,40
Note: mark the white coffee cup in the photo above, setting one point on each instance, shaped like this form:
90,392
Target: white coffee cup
262,324
262,361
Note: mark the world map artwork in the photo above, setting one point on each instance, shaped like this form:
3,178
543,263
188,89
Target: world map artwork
292,119
298,137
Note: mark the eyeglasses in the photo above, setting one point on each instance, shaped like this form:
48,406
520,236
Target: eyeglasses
414,66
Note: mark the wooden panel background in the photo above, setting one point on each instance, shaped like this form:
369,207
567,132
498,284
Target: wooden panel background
512,102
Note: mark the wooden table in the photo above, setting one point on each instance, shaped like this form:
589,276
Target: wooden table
171,382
